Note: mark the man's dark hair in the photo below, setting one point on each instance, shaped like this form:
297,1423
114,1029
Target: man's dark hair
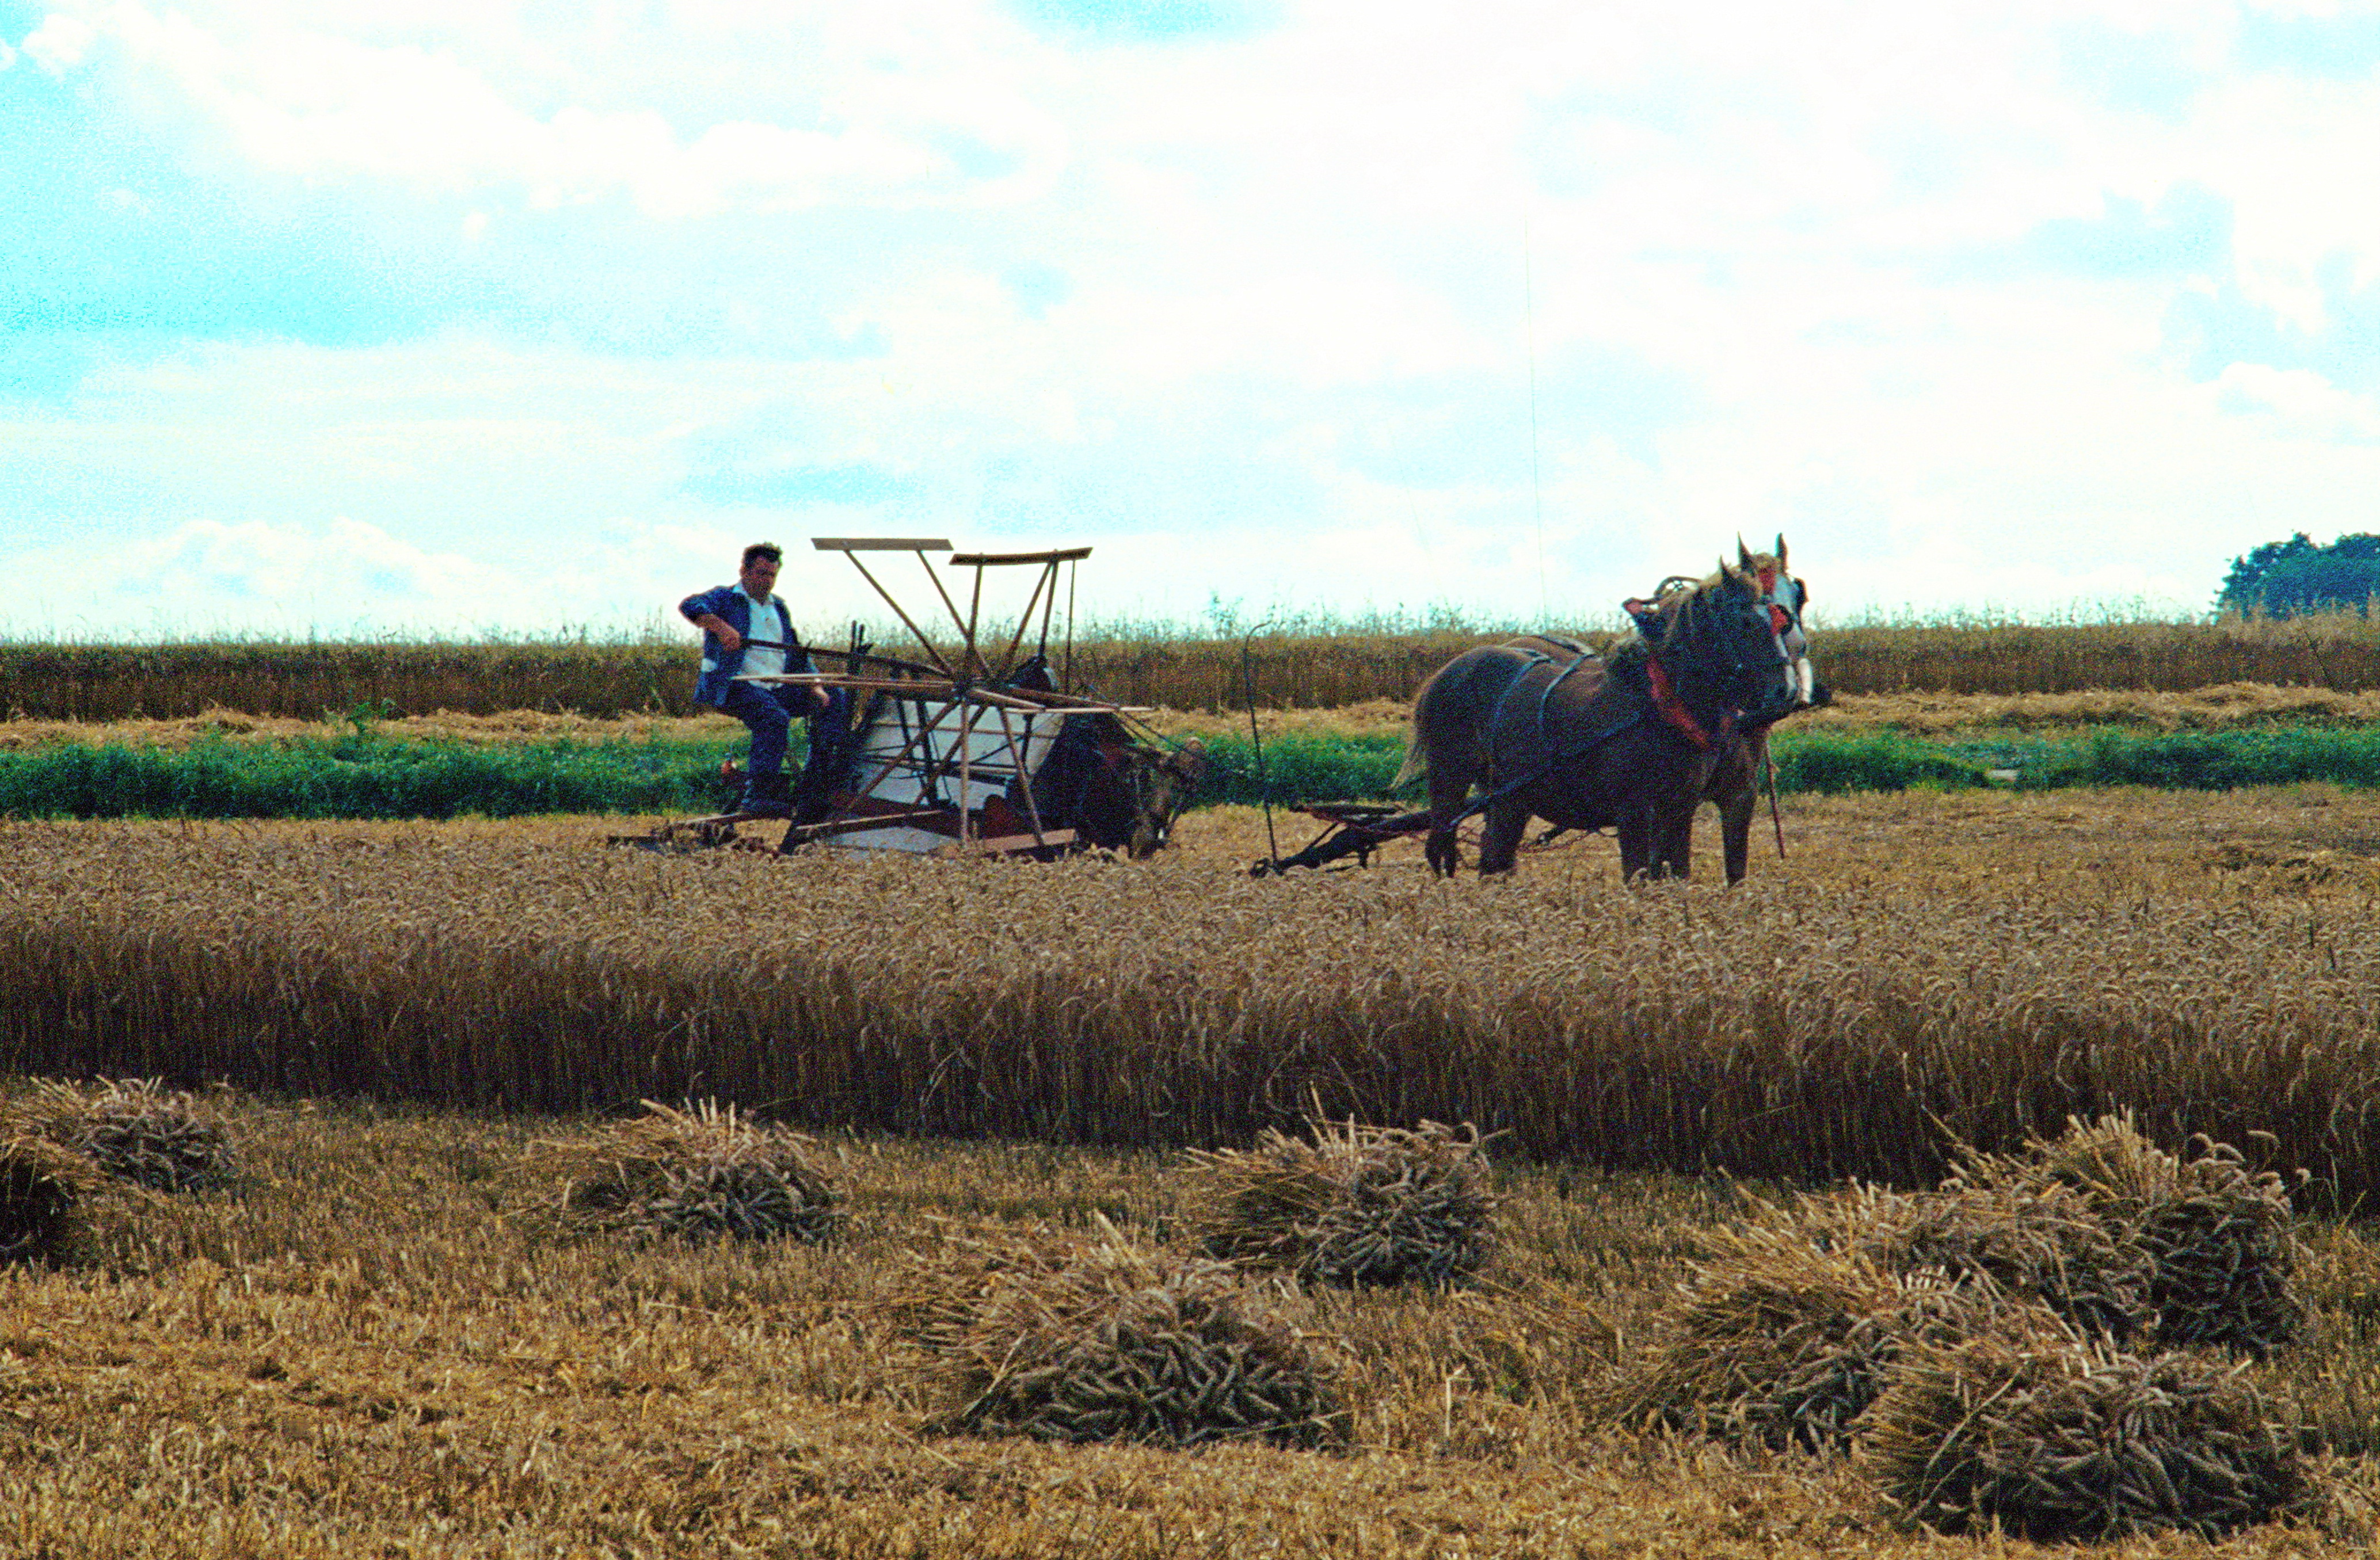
768,549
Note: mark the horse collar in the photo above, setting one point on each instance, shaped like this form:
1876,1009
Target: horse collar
1674,709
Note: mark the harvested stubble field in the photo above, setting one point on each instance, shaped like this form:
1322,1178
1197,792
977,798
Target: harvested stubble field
2222,708
372,1344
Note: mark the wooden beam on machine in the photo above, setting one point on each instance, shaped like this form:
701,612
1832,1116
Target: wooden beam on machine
994,560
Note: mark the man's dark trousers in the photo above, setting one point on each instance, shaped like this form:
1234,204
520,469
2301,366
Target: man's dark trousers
766,710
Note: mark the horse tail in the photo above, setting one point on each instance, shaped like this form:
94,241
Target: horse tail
1416,762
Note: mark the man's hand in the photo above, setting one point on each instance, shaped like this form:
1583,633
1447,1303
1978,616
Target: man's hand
713,624
818,700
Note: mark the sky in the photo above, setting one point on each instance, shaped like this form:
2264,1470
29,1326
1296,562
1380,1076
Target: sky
465,316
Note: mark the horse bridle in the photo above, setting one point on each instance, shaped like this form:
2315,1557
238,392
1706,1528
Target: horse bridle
1739,671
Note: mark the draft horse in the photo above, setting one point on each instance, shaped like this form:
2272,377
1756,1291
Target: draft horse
1634,742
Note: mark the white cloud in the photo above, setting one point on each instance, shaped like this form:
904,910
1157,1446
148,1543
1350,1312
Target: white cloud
1776,262
60,43
301,94
2299,404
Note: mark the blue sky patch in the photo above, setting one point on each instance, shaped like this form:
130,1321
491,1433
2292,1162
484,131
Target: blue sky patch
2149,73
2187,231
2343,47
1144,21
1038,289
2212,332
109,249
796,487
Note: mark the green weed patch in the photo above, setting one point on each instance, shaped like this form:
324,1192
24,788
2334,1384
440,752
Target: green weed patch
359,776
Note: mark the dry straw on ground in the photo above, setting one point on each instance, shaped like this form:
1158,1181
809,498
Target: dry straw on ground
364,1355
1792,1325
2052,1435
132,1128
41,1186
1104,1339
1357,1205
699,1173
2220,1238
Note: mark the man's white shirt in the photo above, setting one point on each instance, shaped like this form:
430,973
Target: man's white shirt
769,622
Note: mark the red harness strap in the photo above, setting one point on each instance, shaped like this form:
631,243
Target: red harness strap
1673,710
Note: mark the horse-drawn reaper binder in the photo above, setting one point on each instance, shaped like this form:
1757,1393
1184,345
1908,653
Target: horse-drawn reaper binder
979,748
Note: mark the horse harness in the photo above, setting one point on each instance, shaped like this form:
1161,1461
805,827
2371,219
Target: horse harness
1665,702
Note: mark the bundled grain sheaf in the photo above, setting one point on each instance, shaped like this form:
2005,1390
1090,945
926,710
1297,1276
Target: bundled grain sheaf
41,1186
1359,1205
131,1129
700,1173
2056,1436
2221,1238
1779,1341
2036,1241
1104,1340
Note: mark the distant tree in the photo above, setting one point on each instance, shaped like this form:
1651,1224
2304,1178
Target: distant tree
2284,579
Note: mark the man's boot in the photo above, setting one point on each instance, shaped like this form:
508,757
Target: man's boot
810,808
767,796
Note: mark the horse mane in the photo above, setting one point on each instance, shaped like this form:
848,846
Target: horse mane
1673,600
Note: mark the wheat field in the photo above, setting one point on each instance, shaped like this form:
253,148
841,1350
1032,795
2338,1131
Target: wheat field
375,1341
1981,965
1318,665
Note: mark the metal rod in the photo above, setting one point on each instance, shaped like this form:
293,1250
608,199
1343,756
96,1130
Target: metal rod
894,762
860,823
975,610
1072,570
911,688
1049,607
1256,738
936,581
1048,576
1025,780
932,654
967,771
848,656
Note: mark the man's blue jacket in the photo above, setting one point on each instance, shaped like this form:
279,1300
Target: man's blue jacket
720,665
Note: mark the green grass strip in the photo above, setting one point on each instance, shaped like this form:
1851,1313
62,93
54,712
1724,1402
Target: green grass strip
1312,767
364,775
355,777
2215,760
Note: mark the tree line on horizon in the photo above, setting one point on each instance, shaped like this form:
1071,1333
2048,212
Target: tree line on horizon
2286,579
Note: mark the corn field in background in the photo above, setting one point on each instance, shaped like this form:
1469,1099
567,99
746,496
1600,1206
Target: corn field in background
1981,967
102,682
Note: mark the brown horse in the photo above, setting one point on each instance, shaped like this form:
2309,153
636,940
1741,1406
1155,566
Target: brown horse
1635,741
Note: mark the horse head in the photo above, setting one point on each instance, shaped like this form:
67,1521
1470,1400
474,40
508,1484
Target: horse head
1723,633
1789,599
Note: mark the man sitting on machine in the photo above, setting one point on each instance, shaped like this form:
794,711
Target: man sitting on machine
747,632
